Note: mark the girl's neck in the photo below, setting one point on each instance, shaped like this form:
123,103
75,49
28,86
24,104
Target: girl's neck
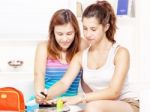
62,58
103,45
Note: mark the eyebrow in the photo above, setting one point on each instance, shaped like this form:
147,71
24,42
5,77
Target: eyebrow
90,27
70,31
65,32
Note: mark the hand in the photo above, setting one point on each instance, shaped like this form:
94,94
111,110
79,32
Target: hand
40,97
72,100
52,102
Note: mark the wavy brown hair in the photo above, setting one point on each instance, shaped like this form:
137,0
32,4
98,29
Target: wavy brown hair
104,13
61,17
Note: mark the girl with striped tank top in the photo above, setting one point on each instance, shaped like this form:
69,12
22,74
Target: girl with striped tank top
105,66
53,57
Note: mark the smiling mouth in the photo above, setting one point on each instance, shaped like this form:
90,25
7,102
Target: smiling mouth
66,43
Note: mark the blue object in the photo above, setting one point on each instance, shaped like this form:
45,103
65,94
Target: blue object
31,106
122,7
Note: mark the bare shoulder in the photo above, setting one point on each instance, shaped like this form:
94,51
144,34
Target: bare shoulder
78,56
122,53
42,44
42,47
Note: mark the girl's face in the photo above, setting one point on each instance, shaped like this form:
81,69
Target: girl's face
64,35
92,30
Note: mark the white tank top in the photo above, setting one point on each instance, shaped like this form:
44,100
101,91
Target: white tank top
100,78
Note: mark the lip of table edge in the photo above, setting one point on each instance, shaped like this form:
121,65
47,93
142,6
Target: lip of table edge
65,109
72,108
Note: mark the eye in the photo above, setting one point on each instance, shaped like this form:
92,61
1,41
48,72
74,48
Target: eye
93,29
59,33
84,28
69,33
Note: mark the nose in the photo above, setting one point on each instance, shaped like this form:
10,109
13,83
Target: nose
65,38
88,35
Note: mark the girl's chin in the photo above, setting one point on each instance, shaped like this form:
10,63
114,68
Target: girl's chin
64,48
91,43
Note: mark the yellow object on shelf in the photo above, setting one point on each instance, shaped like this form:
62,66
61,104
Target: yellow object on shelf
59,105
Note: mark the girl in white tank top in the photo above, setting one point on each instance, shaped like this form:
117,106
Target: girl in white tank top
98,79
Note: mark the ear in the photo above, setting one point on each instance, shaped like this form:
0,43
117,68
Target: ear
106,27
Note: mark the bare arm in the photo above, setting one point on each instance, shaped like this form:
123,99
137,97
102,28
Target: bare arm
62,85
39,67
85,86
121,69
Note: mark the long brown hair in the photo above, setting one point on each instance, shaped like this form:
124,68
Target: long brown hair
104,13
61,17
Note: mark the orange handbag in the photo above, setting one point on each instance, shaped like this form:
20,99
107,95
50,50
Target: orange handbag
11,99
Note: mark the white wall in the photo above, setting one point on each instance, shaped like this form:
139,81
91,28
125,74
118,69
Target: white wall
17,50
144,24
144,33
29,17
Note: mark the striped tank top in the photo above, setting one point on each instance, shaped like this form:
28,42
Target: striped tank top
55,70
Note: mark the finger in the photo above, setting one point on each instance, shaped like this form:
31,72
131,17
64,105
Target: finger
42,93
54,101
39,101
39,96
45,91
66,104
